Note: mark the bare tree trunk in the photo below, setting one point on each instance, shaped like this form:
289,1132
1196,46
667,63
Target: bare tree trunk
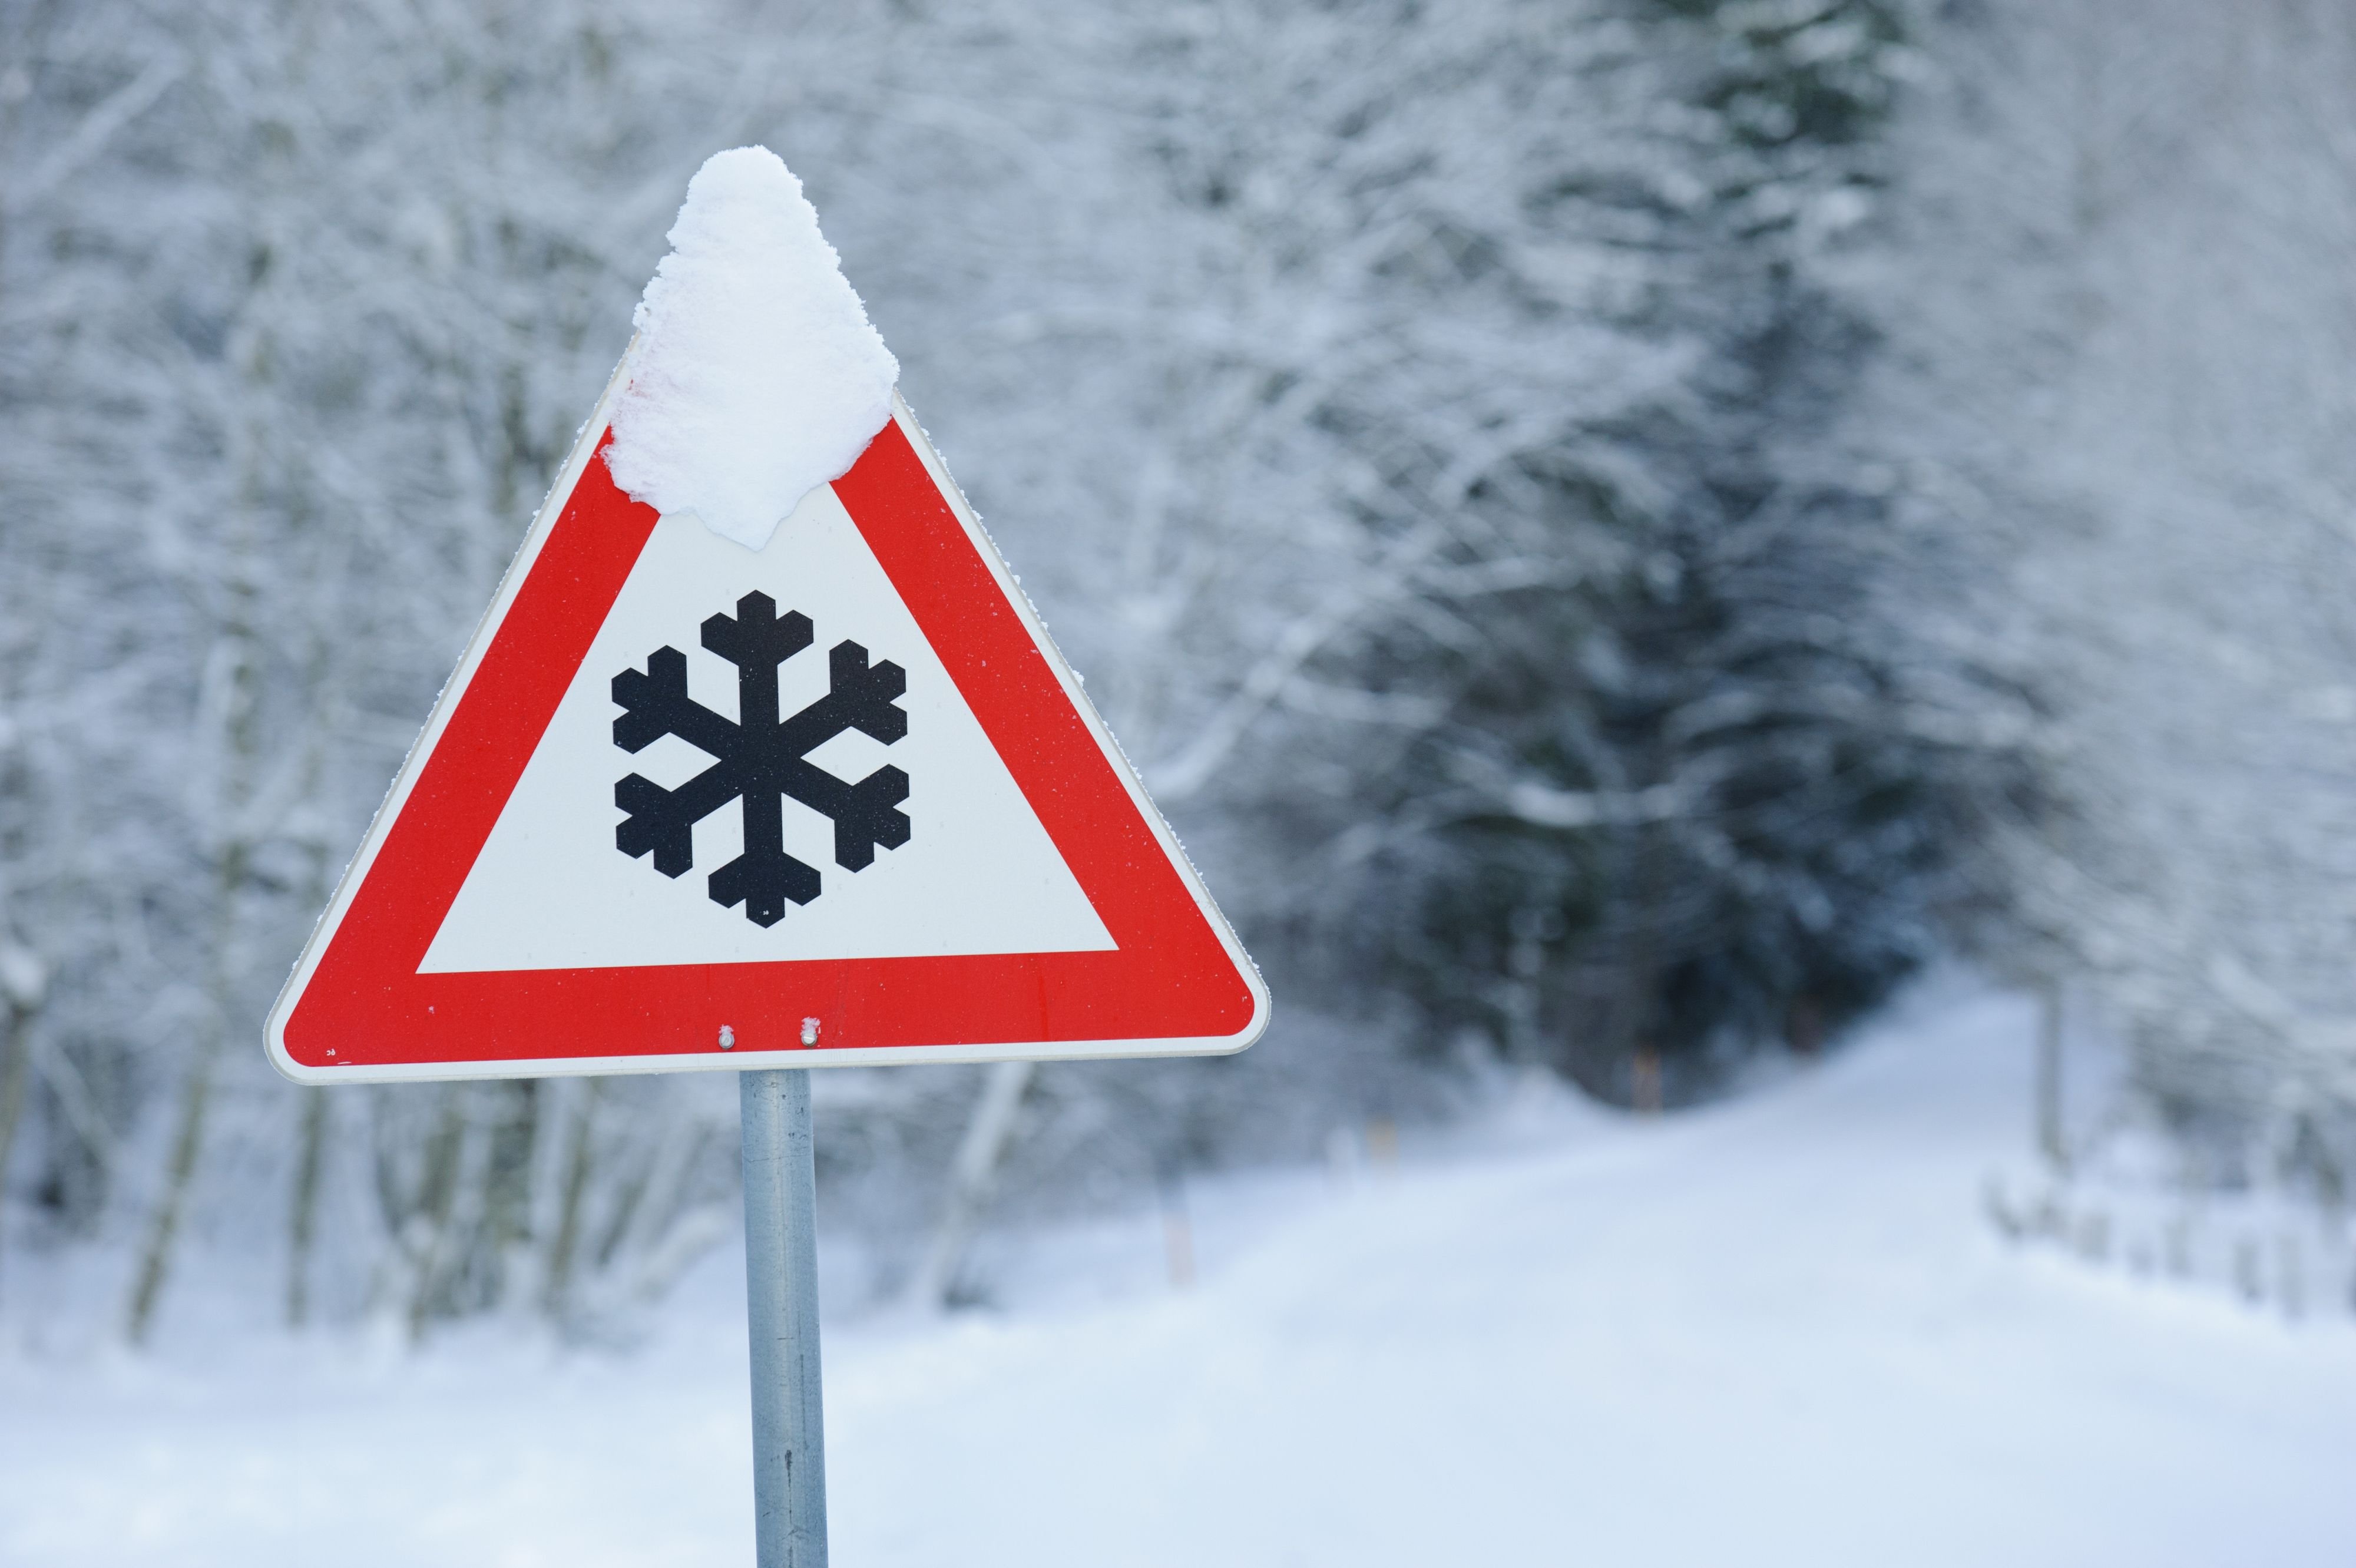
971,1177
303,1207
669,1237
179,1172
564,1247
15,1053
510,1150
15,1066
240,741
303,1220
196,1097
1644,1080
1636,1045
444,1178
2051,1142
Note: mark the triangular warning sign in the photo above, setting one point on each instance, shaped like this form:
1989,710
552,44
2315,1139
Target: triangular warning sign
687,804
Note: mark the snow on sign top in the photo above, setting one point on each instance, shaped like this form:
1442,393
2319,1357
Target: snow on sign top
757,377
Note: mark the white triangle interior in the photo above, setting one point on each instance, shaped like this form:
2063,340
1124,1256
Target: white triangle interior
978,874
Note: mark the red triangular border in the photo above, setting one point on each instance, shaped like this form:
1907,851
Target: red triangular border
1174,984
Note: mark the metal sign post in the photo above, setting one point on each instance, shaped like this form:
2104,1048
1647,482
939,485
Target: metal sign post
781,1310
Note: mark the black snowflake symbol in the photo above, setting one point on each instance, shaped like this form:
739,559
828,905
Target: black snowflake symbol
761,760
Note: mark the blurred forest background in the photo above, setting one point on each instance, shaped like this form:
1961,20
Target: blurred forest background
1617,531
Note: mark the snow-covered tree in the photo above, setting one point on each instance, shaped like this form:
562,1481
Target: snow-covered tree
1616,738
294,344
1433,430
2121,375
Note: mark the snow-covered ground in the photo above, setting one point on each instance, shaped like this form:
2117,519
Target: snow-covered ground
1776,1331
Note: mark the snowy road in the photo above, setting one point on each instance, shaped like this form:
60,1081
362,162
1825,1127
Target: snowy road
1774,1332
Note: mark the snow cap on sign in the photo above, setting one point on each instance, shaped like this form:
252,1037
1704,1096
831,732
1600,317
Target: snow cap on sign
757,377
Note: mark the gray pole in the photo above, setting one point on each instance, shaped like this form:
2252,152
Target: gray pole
781,1305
